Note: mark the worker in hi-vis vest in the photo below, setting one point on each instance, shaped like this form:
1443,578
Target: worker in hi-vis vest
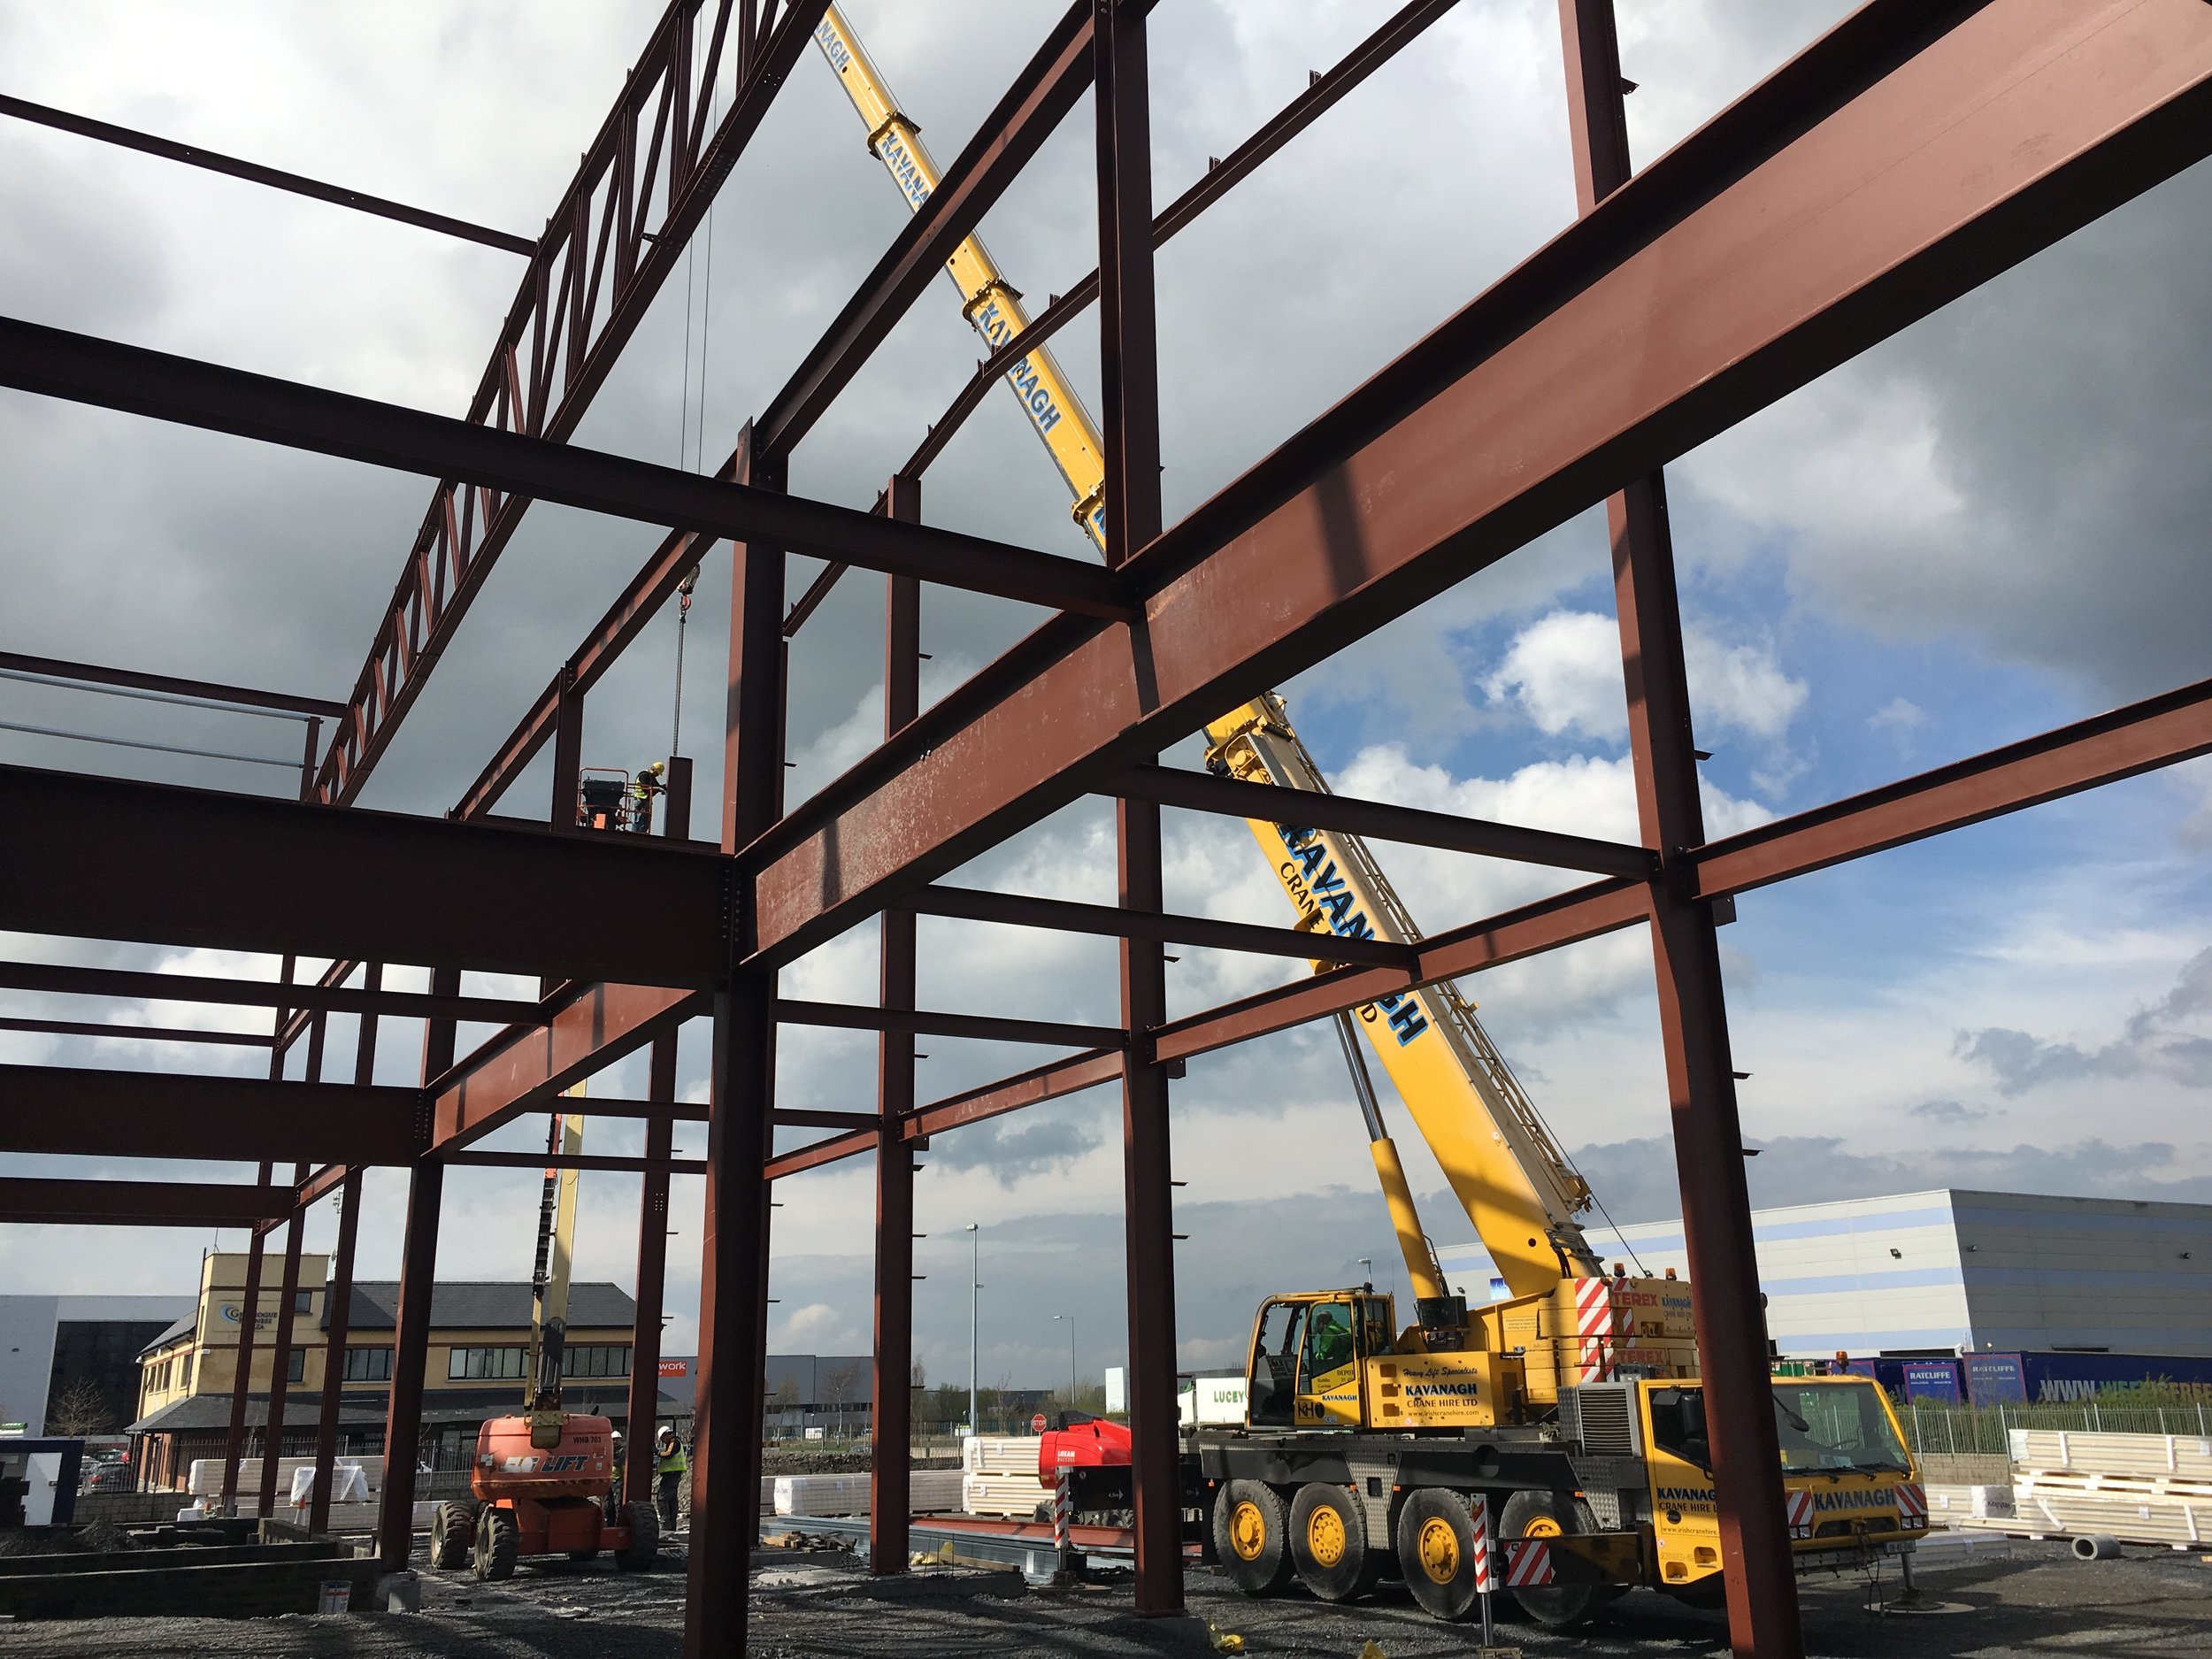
669,1469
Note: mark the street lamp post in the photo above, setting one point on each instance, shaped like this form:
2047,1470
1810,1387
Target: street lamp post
975,1287
1070,1318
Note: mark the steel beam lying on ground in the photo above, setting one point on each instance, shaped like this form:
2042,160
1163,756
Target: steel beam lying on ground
87,1113
78,368
108,858
135,1203
1897,163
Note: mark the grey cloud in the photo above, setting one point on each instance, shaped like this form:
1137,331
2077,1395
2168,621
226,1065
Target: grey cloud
1949,1112
2155,1040
1031,1143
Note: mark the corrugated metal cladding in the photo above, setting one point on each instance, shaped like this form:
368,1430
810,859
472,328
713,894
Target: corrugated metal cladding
1955,1269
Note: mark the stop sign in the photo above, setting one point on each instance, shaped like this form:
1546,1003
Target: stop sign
1037,1424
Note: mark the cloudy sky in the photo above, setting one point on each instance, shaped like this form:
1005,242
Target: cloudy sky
1989,526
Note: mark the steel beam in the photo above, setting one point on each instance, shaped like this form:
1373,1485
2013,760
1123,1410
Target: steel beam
254,172
65,979
2157,732
280,1345
143,1034
391,888
619,230
981,1027
78,367
1016,909
410,1318
84,1112
1039,97
521,1070
1586,913
606,1163
1322,93
1894,164
892,1427
1378,820
640,1456
168,685
203,1204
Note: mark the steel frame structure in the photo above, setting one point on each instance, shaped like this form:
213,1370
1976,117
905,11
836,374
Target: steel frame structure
1921,148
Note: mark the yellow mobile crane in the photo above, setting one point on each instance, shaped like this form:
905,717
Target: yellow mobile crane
1570,1405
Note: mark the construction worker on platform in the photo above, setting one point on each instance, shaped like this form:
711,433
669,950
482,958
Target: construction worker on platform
669,1469
648,784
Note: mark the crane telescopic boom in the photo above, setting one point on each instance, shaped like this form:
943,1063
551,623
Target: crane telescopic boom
1521,1194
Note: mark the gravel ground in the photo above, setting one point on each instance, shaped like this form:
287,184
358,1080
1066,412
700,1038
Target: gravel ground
2034,1601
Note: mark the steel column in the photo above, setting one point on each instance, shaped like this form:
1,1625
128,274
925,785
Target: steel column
890,1488
1129,380
338,1303
1762,1587
726,1455
250,1303
281,1354
410,1335
652,1216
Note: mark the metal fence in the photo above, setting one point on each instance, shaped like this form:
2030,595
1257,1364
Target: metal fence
1933,1427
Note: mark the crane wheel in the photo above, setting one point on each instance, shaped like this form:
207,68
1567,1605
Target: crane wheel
1328,1543
498,1546
1252,1537
644,1548
452,1530
1554,1515
1436,1551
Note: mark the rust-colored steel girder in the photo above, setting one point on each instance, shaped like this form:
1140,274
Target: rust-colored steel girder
143,1034
35,1199
1894,164
169,684
165,865
642,187
54,363
1039,97
1379,820
1016,909
87,1112
924,1022
521,1068
606,1163
1323,93
254,172
65,979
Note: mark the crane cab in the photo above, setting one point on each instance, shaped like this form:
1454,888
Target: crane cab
1332,1359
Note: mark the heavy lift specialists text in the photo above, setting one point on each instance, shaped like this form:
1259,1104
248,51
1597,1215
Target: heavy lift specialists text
1311,874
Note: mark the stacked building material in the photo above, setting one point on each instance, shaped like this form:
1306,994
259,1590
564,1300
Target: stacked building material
998,1476
929,1492
2138,1489
1957,1505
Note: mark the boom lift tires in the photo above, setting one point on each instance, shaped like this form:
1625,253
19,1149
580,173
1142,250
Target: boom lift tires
452,1530
498,1546
645,1538
1553,1515
1252,1537
1436,1551
1328,1543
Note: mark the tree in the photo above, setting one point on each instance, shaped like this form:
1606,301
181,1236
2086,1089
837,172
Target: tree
840,1385
79,1407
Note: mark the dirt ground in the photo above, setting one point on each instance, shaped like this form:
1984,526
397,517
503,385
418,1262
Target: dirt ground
2035,1600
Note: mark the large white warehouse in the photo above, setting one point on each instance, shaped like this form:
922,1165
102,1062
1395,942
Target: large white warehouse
1955,1269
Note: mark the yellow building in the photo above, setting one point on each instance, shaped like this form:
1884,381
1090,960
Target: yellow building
480,1335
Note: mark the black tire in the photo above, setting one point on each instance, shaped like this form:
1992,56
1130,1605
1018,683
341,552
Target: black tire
1436,1551
452,1530
498,1546
1252,1537
1551,1515
1328,1543
645,1538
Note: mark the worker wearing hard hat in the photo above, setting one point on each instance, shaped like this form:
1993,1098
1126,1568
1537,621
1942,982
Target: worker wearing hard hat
669,1469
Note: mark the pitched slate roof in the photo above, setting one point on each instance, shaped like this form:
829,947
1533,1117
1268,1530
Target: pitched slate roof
472,1304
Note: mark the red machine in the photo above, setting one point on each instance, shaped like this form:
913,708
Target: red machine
1096,1452
544,1480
